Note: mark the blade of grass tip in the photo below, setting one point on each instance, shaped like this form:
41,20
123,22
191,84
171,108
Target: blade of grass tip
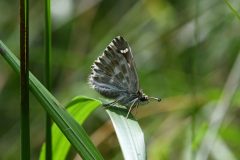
24,54
48,40
76,135
129,134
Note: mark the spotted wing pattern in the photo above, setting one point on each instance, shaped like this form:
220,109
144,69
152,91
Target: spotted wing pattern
113,73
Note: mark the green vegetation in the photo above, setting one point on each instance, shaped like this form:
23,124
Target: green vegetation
186,52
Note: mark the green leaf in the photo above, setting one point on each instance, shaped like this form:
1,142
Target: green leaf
71,129
80,108
129,133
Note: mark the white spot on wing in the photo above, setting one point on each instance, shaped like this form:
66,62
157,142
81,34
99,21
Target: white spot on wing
116,70
124,50
97,60
111,44
111,80
95,66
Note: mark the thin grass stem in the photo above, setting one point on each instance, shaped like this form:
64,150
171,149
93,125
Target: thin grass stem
24,82
48,44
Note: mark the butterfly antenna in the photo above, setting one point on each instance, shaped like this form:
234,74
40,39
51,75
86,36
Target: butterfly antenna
157,99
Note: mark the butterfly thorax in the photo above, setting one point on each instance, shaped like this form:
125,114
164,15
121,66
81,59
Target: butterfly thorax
141,96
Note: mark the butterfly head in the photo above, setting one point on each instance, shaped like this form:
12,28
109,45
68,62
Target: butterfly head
144,98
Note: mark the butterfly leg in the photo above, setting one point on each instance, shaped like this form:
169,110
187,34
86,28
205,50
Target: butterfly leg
136,108
131,107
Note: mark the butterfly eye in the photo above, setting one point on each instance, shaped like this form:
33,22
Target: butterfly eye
143,98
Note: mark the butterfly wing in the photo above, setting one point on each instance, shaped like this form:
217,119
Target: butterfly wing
124,49
114,73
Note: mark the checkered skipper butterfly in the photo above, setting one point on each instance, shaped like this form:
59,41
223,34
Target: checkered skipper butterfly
114,76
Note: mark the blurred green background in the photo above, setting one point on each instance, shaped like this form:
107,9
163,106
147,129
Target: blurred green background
184,52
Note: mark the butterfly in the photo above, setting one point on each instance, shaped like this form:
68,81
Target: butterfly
114,76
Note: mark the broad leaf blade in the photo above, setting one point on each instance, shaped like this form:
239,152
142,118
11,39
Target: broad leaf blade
129,133
71,129
80,108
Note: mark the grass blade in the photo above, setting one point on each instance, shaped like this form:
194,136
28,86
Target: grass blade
24,87
71,129
48,54
129,133
80,108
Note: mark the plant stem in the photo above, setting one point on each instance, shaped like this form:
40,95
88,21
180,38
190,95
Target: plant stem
75,133
24,82
235,12
48,40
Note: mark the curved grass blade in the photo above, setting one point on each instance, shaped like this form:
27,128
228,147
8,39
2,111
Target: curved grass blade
80,108
71,129
129,133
